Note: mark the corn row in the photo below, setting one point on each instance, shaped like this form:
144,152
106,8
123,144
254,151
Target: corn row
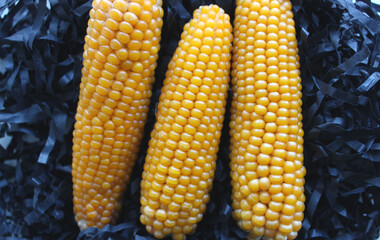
181,158
119,59
266,130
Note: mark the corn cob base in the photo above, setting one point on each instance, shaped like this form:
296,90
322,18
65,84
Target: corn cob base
266,130
181,159
120,53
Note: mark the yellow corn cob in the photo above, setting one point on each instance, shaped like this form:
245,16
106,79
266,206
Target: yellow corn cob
266,130
119,60
180,162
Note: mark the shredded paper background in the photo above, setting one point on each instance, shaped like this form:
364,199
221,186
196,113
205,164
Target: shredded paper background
41,45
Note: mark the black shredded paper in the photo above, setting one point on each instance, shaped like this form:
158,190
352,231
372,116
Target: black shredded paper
41,46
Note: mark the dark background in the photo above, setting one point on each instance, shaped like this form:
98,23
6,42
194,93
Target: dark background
41,45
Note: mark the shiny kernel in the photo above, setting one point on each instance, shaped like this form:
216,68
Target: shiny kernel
254,185
258,220
264,183
266,148
135,8
130,18
260,110
259,209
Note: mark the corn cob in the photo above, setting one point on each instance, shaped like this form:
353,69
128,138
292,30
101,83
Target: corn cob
119,59
181,158
266,130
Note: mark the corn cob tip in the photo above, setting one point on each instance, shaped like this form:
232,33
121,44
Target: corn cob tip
82,224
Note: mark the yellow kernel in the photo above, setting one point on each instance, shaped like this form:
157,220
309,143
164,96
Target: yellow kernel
271,215
285,228
116,44
263,159
258,220
287,188
262,171
260,110
106,185
266,148
135,8
92,215
254,185
130,18
161,215
259,209
120,5
134,55
264,183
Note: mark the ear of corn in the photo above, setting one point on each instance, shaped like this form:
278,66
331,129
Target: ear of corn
120,53
266,130
180,162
